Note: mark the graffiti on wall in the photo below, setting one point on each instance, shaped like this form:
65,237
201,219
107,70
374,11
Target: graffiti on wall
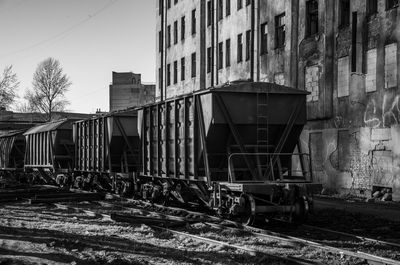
376,116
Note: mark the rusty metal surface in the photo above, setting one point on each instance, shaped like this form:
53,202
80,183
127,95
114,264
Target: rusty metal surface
191,136
107,143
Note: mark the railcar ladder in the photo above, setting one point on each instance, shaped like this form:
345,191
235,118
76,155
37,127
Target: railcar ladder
262,128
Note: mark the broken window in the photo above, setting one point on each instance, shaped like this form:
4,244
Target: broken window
344,13
168,74
220,9
312,17
248,44
182,68
264,38
228,53
228,7
209,13
175,72
372,7
193,21
391,4
194,64
239,4
280,30
220,56
240,48
176,32
209,59
183,28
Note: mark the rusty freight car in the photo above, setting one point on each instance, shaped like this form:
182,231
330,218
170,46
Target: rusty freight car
12,150
107,151
49,153
234,148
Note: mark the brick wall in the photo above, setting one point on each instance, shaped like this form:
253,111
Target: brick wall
312,82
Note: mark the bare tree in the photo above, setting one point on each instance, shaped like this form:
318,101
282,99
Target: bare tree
8,84
49,87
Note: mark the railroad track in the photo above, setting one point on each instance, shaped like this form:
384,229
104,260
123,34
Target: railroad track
185,216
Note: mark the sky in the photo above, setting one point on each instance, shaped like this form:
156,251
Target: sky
90,38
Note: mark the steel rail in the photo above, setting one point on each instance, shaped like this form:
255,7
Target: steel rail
286,238
202,239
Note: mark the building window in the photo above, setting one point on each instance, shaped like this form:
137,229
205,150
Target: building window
194,64
220,9
280,30
169,36
209,13
160,40
391,4
240,48
228,53
228,7
343,76
248,44
159,78
264,38
168,4
209,59
391,65
372,7
312,82
193,21
183,28
248,2
220,56
312,17
160,7
239,4
176,32
182,68
168,74
175,2
175,72
370,79
344,19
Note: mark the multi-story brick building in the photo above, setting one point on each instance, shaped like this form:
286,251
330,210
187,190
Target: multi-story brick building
343,52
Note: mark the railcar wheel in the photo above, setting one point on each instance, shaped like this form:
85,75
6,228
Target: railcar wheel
299,213
248,216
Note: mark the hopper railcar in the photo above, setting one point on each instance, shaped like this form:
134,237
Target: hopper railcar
233,148
107,151
49,152
12,151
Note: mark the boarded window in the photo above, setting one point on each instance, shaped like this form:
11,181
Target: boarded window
391,65
343,76
370,80
312,82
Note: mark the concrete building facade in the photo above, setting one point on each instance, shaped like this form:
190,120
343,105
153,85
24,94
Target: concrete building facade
127,90
345,53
